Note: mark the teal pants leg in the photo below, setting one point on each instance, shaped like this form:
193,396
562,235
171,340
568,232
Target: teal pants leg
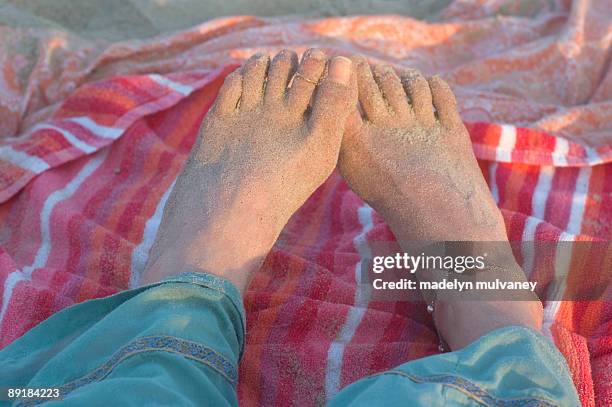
176,343
179,342
511,366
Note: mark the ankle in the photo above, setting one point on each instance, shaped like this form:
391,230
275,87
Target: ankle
232,243
463,322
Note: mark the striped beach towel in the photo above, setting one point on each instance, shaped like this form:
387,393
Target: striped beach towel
93,135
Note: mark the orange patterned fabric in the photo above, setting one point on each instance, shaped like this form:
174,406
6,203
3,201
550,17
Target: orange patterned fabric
92,135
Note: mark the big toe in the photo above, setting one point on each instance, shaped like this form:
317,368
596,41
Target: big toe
340,70
335,99
370,96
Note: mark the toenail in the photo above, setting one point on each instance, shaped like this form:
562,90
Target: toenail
340,70
315,53
384,71
411,74
437,80
359,59
362,63
387,70
260,56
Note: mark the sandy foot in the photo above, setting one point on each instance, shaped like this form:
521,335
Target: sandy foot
272,137
409,156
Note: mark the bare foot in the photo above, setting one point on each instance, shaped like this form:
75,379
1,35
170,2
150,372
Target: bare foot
410,157
272,137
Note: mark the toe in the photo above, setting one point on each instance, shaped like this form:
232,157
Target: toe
417,89
280,72
335,100
229,94
444,102
392,89
370,98
305,81
253,77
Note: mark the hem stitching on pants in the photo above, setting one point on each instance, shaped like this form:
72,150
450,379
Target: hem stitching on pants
163,343
476,392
